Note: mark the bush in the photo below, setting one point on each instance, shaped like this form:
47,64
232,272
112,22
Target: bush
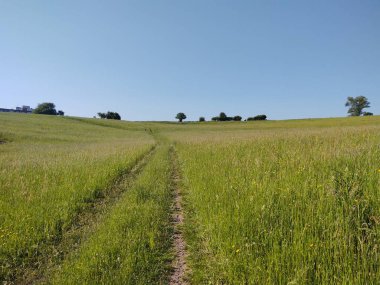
223,117
109,115
202,119
257,118
367,114
237,118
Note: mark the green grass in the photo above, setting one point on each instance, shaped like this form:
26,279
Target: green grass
269,207
274,202
132,245
50,169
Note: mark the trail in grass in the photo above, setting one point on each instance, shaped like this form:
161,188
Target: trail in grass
84,224
179,244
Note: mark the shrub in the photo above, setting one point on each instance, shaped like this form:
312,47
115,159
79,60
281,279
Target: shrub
109,115
257,118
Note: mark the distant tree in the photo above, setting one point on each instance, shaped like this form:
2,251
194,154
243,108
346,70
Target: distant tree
60,113
109,115
260,117
113,116
222,116
46,109
357,105
237,118
257,118
181,117
202,119
367,114
102,115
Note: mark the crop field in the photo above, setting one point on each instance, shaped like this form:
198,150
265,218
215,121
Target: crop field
90,201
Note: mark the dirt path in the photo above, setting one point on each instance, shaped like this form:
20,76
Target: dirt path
82,227
179,246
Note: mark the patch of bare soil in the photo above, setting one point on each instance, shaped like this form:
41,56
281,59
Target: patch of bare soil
179,246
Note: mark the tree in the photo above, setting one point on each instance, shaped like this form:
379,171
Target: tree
237,118
202,119
60,113
357,105
113,116
181,117
222,116
102,115
257,118
109,115
46,109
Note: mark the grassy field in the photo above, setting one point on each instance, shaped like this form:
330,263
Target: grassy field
284,206
51,168
277,202
132,245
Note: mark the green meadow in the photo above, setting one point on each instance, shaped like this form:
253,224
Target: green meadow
90,201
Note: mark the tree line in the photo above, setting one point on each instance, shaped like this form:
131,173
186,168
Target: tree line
223,118
356,106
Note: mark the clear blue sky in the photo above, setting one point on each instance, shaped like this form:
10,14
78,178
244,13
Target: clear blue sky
149,60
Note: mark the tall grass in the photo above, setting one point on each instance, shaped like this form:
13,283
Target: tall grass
132,245
50,168
297,207
292,202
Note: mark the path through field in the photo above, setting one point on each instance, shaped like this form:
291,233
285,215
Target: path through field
84,224
179,245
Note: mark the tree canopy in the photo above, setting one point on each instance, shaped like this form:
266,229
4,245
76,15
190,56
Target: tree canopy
257,118
223,117
109,115
357,105
181,116
45,109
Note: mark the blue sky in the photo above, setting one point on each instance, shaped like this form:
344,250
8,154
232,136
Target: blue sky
149,60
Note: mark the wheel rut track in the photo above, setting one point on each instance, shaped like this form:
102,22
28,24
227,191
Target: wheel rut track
179,264
84,224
